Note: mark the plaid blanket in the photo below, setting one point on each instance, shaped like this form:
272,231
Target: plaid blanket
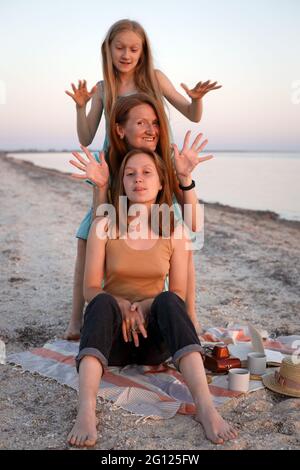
148,391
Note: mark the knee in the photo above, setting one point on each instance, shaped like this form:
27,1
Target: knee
167,301
102,305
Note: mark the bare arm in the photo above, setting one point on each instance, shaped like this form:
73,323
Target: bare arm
95,260
100,196
185,162
192,110
179,266
97,172
94,275
192,213
87,125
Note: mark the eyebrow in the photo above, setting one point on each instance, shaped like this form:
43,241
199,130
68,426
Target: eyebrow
132,45
146,119
144,166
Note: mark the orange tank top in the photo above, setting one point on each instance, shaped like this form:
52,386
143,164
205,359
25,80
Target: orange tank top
136,274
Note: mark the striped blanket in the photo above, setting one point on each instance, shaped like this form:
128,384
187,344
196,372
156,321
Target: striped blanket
147,391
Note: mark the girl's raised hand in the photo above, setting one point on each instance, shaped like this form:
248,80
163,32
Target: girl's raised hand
97,172
81,95
188,158
200,89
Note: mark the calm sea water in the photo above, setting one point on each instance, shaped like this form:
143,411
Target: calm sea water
260,181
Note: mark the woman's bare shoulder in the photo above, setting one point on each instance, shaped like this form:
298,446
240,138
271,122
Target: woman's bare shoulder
99,229
99,93
178,237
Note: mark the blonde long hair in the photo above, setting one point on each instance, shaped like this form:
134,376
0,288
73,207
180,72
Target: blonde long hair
118,147
144,74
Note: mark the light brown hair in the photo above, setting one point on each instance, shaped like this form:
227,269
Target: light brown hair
118,147
164,195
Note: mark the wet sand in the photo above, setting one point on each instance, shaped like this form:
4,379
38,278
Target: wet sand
248,270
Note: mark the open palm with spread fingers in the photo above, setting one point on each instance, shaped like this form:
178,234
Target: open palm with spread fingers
81,95
188,158
200,89
97,172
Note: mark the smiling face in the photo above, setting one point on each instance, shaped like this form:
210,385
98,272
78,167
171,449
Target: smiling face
126,49
141,181
141,129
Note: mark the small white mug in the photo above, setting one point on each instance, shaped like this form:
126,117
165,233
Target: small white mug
257,363
238,380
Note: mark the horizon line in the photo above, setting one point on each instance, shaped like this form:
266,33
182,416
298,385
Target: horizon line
52,150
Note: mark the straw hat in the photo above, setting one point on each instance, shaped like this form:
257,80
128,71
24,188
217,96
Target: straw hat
286,380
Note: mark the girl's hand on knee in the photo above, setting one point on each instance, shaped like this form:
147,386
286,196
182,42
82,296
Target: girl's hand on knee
137,322
125,312
133,322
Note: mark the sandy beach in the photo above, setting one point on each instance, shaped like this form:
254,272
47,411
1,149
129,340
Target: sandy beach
248,270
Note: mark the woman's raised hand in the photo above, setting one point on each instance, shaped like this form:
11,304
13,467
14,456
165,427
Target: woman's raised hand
188,158
92,170
81,95
200,89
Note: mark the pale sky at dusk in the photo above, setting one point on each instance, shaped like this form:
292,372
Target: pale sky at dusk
252,48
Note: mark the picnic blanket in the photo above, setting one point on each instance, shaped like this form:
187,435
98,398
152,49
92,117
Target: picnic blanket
147,391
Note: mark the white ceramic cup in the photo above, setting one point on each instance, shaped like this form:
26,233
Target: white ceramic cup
238,380
257,363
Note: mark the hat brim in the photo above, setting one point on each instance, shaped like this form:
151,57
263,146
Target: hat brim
270,382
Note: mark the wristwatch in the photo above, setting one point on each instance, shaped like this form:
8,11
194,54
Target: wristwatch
187,188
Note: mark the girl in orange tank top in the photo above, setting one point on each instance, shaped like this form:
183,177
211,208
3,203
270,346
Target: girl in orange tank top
132,306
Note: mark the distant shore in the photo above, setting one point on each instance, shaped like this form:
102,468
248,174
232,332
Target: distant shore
3,151
247,270
261,213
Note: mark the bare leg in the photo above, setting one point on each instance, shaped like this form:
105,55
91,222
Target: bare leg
84,432
75,323
191,294
216,428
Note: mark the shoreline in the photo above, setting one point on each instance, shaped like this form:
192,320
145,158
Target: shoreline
96,150
247,271
268,214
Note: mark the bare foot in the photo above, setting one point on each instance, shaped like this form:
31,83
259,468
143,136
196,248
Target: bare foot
72,333
84,432
216,428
